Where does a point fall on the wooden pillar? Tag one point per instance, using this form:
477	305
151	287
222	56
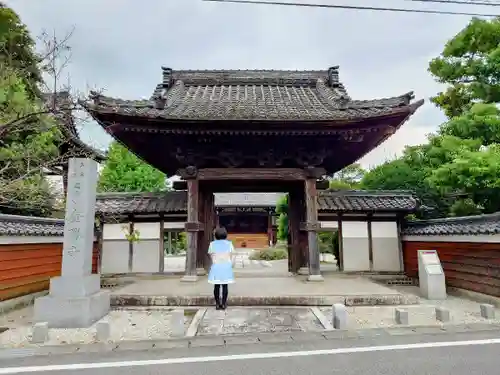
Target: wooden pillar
303	239
161	249
100	241
293	230
312	227
269	228
193	225
65	178
202	244
207	221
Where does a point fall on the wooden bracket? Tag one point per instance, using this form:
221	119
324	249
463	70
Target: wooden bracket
194	226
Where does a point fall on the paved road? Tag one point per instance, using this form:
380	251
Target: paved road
458	354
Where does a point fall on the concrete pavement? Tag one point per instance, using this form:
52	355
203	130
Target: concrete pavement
457	354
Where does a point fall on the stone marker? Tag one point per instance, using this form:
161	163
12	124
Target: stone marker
177	323
339	316
442	314
487	311
103	331
75	298
401	316
430	275
40	333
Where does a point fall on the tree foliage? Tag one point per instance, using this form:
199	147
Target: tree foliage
470	66
125	172
17	50
24	150
454	173
30	128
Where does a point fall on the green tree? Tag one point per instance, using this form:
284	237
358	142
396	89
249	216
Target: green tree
282	211
17	50
475	174
25	151
125	172
347	178
470	65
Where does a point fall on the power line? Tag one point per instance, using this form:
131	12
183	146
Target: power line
488	3
352	7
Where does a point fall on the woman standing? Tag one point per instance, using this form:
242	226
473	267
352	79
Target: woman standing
221	271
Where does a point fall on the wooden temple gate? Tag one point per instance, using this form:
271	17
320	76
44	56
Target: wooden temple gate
251	131
202	184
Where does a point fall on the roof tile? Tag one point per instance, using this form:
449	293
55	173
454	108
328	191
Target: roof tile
359	200
176	201
465	225
14	225
252	95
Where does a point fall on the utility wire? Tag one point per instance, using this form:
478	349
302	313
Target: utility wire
487	3
352	7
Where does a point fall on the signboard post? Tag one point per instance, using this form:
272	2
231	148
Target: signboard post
430	275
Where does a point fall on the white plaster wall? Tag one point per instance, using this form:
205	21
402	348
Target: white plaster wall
174	225
329	225
355	248
148	231
494	238
115	231
385	246
114	256
146	256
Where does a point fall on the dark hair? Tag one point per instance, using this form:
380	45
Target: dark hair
220	233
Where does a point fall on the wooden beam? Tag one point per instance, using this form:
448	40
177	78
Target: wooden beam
182	185
251	174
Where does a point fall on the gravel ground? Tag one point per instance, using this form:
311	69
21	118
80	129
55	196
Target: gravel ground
462	311
124	325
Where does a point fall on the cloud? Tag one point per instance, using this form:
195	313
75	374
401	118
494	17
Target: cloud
119	45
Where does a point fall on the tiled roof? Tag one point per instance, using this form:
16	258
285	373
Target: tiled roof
141	203
176	201
365	200
465	225
61	100
14	225
263	95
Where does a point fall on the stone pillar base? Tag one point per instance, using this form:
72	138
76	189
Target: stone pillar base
201	271
189	278
315	278
303	271
72	312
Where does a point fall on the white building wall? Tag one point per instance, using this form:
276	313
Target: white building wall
385	246
355	248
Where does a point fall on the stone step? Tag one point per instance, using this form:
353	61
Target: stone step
205	300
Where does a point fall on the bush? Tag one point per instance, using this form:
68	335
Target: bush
270	254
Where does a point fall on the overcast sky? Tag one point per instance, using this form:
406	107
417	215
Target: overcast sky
120	45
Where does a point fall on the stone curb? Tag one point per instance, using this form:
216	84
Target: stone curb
229	340
358	300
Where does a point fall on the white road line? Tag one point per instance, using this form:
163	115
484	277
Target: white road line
236	357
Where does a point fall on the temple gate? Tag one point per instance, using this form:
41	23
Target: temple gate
251	131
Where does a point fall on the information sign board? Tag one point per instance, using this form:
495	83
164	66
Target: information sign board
430	275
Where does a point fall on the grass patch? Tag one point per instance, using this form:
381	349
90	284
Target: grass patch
277	253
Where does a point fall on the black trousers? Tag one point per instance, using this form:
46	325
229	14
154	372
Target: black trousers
217	295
